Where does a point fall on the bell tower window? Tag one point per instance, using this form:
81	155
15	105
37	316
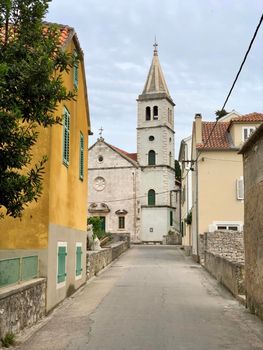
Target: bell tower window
151	157
155	112
151	197
148	113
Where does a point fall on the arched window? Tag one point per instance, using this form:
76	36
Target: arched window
148	113
151	158
155	112
170	159
151	197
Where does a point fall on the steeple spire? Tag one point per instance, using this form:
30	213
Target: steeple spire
155	82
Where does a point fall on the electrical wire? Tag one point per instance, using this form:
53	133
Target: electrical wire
230	92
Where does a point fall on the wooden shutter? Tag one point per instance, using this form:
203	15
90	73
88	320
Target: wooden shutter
66	136
81	157
62	253
240	188
78	260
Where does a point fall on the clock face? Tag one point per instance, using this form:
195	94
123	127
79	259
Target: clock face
99	183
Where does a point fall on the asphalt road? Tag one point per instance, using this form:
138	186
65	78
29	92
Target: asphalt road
151	298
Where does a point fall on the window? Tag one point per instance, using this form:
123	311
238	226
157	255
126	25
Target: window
247	131
78	260
61	263
227	227
151	197
81	157
100	159
148	113
171	218
151	138
66	132
121	222
151	158
240	188
170	159
76	71
155	112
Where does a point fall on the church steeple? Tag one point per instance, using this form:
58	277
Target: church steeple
155	82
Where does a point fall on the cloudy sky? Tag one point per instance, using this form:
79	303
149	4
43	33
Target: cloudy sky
201	46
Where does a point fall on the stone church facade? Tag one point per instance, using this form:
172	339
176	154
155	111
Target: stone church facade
135	192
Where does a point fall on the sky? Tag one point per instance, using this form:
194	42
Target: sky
201	46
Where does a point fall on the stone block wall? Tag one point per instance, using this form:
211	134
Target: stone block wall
224	258
98	260
228	244
22	305
174	239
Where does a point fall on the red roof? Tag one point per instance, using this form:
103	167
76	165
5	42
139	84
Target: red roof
218	139
132	156
247	118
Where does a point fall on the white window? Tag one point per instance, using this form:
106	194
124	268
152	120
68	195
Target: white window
240	188
247	131
227	227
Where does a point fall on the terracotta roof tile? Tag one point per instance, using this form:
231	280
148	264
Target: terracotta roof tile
219	138
247	118
132	156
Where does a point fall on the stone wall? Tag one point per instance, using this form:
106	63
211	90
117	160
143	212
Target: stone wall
98	260
228	244
22	305
230	274
253	228
173	239
224	259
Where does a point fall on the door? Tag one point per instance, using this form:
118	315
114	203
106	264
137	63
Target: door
103	223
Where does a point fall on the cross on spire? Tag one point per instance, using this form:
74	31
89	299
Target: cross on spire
100	133
155	45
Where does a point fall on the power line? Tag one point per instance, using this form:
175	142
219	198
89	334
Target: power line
230	91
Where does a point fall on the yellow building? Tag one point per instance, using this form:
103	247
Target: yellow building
217	176
54	227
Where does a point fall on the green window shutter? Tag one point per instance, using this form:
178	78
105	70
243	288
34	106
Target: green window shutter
151	157
81	157
76	71
78	260
171	218
62	253
66	134
151	197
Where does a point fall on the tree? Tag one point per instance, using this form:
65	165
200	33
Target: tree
177	170
221	113
32	62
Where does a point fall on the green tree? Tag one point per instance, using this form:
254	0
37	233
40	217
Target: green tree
32	62
221	113
96	223
177	170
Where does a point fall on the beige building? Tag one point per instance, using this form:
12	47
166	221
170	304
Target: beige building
253	230
217	176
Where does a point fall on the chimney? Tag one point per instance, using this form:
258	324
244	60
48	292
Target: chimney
198	128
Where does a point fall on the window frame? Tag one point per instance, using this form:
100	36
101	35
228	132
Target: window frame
155	112
121	222
152	157
148	113
250	129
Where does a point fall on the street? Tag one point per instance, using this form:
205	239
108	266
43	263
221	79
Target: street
151	298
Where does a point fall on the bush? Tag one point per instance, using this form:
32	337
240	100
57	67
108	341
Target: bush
8	339
96	223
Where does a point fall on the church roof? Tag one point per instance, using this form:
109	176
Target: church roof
132	156
155	82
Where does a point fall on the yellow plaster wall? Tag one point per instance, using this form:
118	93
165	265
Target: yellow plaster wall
217	174
31	231
68	194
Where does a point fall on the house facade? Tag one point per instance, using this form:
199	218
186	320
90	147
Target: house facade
54	228
147	190
186	191
217	176
252	152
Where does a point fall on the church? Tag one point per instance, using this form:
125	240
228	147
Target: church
136	192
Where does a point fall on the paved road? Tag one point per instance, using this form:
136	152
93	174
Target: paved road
152	298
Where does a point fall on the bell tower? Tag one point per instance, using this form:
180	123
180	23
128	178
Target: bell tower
155	154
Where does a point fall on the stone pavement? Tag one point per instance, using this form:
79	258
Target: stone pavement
151	298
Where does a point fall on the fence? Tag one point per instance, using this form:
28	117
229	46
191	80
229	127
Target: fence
17	270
